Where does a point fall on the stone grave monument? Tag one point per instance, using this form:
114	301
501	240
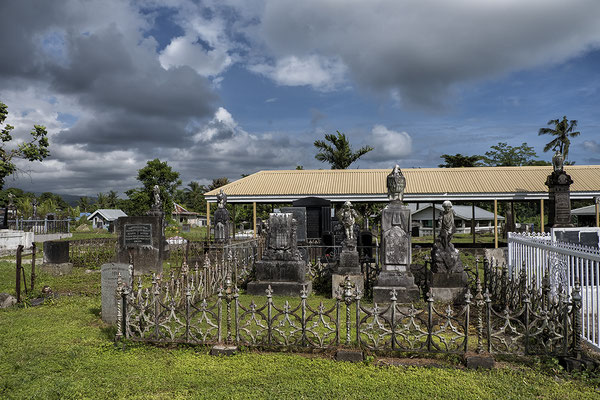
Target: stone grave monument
348	267
56	258
141	239
447	278
109	275
559	194
396	252
300	217
221	219
281	266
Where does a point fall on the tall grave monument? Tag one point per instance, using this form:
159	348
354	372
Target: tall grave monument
395	253
221	219
141	239
281	266
559	193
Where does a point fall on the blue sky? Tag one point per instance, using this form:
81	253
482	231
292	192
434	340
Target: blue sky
230	87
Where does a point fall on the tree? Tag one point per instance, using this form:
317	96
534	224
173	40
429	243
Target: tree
217	183
339	153
503	155
194	195
84	204
562	130
159	173
459	161
35	150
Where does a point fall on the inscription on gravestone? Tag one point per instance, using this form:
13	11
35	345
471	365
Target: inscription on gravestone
137	235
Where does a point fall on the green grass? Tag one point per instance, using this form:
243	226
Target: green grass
63	350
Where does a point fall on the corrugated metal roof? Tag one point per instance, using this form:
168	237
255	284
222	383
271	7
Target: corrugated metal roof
462	212
587	210
419	181
108	214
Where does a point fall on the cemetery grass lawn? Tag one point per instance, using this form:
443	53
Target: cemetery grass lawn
63	350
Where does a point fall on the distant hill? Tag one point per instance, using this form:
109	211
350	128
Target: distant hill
71	199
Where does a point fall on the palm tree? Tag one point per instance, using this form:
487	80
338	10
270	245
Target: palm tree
194	195
340	155
562	130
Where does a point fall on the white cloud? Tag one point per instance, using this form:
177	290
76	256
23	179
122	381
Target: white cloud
321	73
591	145
184	51
388	145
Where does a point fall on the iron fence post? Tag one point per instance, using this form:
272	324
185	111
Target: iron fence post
468	297
429	319
269	314
303	295
394	299
479	303
576	309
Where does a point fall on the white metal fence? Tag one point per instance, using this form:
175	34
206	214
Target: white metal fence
566	265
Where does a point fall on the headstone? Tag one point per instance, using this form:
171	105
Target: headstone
141	238
109	274
318	216
186	228
56	258
559	194
221	219
281	267
585	236
300	217
448	279
395	253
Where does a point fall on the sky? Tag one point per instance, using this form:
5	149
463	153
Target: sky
229	87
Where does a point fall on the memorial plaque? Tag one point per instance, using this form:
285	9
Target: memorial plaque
137	235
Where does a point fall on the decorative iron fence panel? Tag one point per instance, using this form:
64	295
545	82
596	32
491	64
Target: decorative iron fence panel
92	253
565	266
41	226
177	309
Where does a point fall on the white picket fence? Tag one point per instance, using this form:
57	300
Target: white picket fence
566	265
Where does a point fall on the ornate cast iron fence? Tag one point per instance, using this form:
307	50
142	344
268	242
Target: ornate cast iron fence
540	261
178	310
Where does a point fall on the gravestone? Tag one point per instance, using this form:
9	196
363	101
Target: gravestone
395	253
585	236
109	274
559	194
281	266
300	217
141	238
318	216
186	228
56	258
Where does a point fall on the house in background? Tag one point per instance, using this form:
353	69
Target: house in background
422	219
586	216
105	218
183	216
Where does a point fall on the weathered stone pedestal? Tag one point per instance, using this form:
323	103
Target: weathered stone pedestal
281	267
559	195
349	266
402	281
448	287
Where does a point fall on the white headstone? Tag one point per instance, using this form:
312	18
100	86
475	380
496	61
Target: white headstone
109	276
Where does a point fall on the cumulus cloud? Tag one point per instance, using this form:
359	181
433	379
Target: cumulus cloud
591	146
321	73
388	145
422	49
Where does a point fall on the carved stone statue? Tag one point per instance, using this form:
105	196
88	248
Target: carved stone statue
34	204
221	199
396	182
558	161
348	218
446	222
444	256
10	200
156	191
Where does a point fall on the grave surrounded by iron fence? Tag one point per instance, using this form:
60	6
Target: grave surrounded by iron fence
500	316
